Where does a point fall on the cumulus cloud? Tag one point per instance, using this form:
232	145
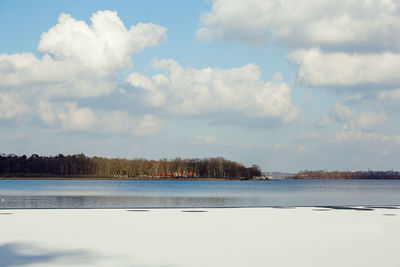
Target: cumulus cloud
114	122
368	121
192	91
343	24
77	118
11	106
358	128
344	45
46	112
343	70
70	117
79	60
147	125
117	122
105	45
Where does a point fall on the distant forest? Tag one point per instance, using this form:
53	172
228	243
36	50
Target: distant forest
381	175
81	165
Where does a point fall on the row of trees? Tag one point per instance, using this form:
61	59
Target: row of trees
81	165
382	175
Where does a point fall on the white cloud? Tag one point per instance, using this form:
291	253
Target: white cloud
362	132
351	135
342	24
343	113
114	122
105	45
189	91
69	117
54	78
79	60
11	106
342	70
148	125
75	118
120	122
367	121
363	126
46	112
6	66
27	70
344	44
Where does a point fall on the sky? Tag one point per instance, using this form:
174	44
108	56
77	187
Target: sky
287	85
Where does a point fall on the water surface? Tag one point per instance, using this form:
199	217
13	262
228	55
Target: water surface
169	194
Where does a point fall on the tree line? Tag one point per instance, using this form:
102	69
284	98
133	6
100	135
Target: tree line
81	165
380	175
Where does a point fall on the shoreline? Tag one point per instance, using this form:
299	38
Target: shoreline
116	178
77	178
119	178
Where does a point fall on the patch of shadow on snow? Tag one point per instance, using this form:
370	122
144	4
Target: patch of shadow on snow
16	254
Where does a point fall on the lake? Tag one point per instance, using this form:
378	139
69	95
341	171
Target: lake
179	194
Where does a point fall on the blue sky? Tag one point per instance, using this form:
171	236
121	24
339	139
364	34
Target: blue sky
301	85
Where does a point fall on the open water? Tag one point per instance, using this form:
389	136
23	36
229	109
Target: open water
206	194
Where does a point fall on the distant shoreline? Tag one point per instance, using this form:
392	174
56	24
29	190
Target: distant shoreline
82	178
115	178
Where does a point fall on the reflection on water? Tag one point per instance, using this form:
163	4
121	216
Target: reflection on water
168	194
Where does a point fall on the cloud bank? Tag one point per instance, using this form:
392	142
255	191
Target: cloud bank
71	117
340	25
189	91
344	44
343	70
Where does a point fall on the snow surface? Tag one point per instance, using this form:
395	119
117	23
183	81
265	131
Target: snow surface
216	237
